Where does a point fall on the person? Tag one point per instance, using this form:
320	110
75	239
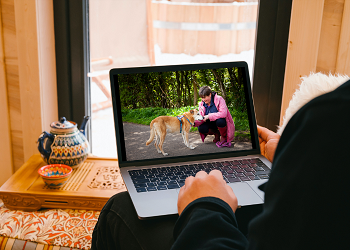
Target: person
306	198
217	118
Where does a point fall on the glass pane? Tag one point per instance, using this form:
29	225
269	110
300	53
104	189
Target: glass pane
145	32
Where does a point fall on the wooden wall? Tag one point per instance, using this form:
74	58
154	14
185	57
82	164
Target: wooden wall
319	41
27	79
6	139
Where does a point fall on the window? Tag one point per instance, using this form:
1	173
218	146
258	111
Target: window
122	34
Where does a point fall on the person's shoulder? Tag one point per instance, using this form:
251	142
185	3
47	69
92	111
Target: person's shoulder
322	112
218	98
339	96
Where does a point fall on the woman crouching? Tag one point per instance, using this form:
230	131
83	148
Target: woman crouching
217	118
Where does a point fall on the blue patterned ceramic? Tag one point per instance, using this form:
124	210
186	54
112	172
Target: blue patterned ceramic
65	144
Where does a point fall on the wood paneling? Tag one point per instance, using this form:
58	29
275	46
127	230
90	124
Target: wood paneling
343	57
329	38
5	134
9	29
29	78
28	69
12	82
319	41
304	36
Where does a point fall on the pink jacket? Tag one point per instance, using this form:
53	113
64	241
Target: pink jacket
223	112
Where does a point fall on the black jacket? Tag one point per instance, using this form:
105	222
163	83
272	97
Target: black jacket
307	198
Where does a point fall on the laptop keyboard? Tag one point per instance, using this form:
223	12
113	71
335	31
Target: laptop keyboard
163	178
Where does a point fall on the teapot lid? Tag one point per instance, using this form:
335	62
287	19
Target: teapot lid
63	124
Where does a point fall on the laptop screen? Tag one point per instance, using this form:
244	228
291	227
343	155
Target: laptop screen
163	94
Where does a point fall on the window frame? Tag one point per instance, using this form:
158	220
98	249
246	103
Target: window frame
72	59
271	45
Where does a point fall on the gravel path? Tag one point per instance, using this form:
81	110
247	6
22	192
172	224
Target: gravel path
136	136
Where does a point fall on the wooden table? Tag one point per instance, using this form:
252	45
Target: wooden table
89	186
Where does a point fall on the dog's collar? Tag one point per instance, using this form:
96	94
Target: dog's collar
180	117
189	121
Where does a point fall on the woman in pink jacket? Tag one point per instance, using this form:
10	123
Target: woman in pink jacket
217	118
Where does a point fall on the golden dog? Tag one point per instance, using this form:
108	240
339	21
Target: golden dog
163	124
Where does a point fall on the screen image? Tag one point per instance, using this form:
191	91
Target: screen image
164	97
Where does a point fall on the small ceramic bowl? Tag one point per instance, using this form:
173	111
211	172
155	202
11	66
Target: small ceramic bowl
55	175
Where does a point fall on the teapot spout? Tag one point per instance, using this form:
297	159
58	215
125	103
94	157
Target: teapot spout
83	124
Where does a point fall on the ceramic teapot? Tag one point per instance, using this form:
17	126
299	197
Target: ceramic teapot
65	144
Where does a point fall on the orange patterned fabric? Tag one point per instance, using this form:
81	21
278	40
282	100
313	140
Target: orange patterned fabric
59	227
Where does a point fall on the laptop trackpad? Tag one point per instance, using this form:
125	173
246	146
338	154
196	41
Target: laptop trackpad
245	194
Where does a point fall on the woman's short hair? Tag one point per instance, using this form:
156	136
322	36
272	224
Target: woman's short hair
204	91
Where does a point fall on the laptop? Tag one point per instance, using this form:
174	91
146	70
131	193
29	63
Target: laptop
154	180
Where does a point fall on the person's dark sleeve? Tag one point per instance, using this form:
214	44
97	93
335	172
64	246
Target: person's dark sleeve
208	223
307	196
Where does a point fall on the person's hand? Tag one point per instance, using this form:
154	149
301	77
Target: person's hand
206	185
206	117
268	142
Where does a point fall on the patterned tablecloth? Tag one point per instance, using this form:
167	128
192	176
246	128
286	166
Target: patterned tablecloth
46	229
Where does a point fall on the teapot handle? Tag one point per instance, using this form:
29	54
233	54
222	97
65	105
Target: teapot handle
45	150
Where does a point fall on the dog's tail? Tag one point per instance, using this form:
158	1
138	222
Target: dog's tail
152	134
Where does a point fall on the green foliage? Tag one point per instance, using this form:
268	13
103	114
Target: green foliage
240	119
171	90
